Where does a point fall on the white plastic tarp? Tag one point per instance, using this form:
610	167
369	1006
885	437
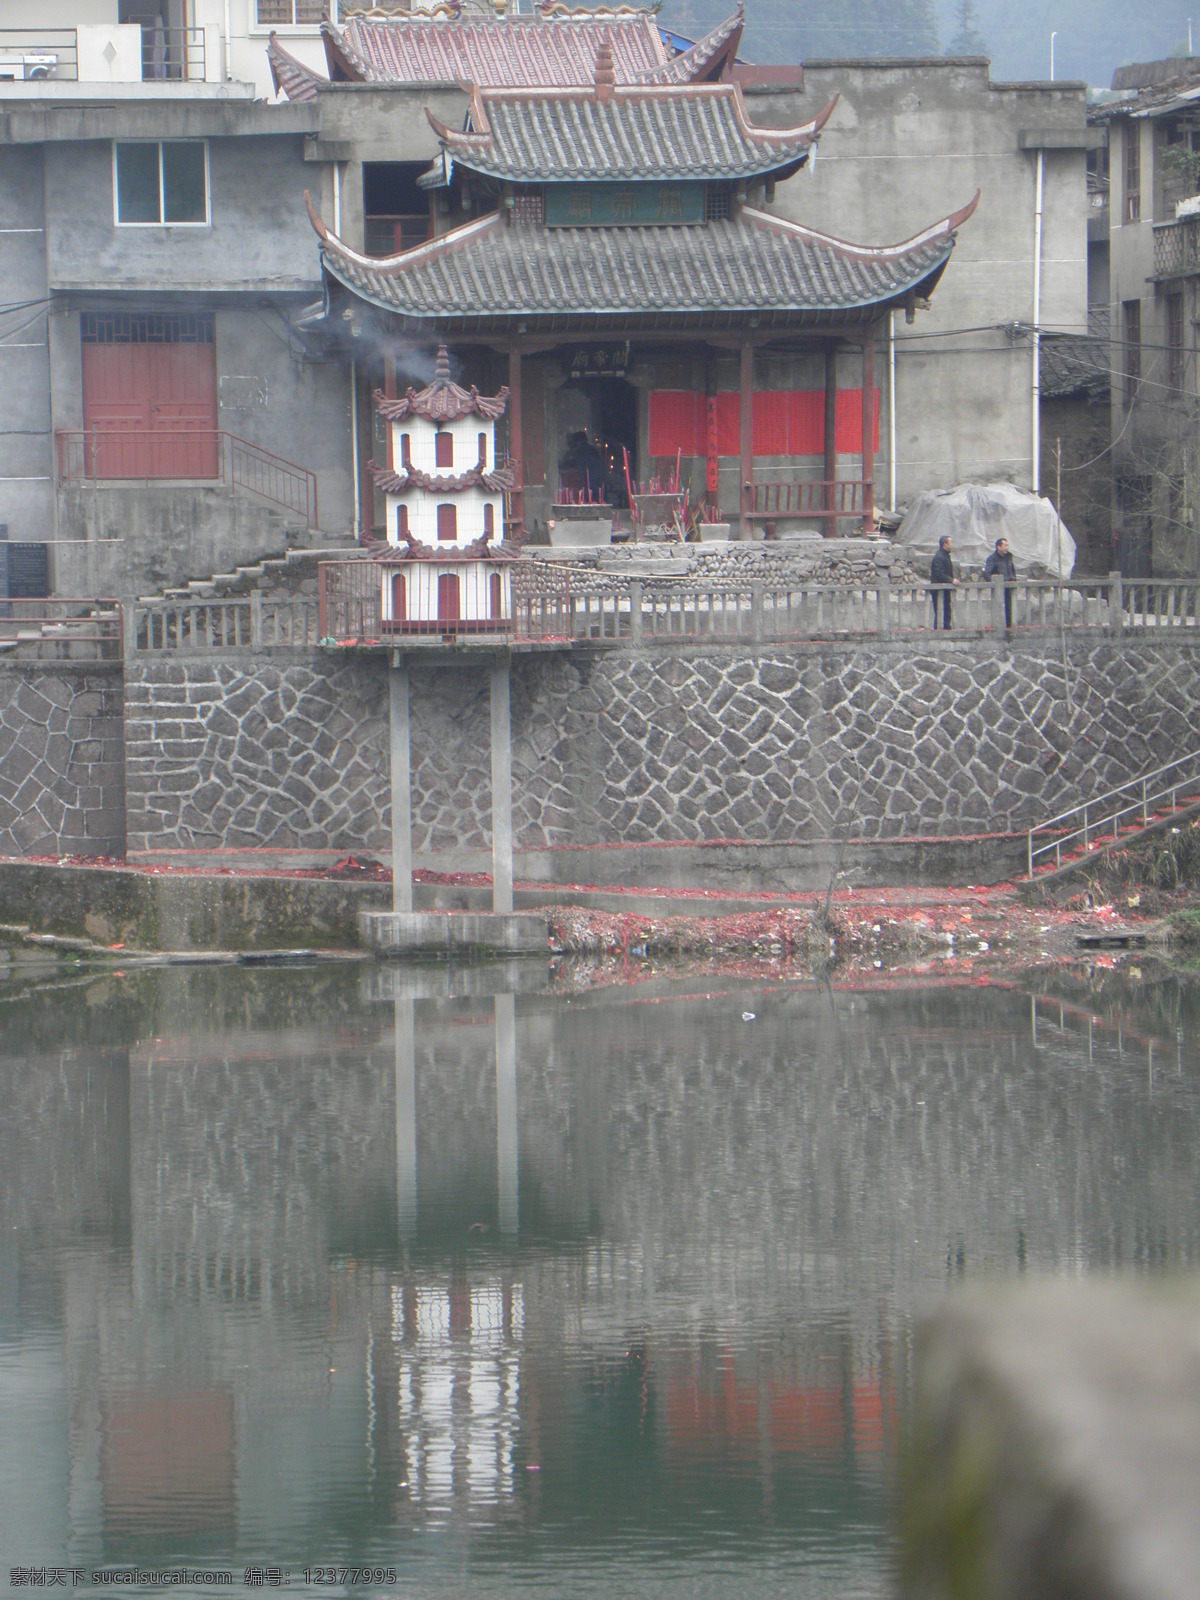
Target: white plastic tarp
975	515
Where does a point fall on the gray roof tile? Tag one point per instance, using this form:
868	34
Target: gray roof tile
695	132
496	270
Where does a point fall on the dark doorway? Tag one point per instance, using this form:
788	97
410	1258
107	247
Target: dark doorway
598	449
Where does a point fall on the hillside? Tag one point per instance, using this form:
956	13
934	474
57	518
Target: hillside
1094	36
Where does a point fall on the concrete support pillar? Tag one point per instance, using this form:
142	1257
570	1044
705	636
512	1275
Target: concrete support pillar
506	1113
829	467
746	419
868	434
406	1121
402	896
502	837
516	438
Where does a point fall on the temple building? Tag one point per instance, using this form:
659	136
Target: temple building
620	263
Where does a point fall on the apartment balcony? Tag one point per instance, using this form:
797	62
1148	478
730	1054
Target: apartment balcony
105	53
1176	249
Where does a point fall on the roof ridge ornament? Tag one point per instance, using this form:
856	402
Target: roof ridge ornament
606	77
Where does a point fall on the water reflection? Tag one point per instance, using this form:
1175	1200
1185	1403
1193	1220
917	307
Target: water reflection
605	1292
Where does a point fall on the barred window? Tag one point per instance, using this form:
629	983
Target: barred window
1132	310
716	202
1175	342
1133	172
146	327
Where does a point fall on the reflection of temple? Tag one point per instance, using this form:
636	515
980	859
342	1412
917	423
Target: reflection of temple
387	1256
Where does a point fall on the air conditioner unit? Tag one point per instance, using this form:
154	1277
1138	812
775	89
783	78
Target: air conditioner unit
40	66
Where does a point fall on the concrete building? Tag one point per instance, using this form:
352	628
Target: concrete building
162	413
1146	257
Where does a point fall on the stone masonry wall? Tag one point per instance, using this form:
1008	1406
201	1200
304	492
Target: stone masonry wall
62	776
696	744
248	752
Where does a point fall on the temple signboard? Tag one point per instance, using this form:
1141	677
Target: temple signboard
615	205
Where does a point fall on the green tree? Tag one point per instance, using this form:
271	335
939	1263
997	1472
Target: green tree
967	39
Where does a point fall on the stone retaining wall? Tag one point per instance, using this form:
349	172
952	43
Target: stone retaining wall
62	775
879	740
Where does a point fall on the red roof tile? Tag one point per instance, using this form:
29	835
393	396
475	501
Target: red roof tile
516	51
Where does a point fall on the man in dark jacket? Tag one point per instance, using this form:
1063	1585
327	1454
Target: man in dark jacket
1000	564
941	575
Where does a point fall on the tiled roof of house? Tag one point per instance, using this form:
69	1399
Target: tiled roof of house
522	51
443	400
1075	365
291	77
707	59
497	270
696	131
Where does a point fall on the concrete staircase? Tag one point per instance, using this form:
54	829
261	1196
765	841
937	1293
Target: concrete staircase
293	568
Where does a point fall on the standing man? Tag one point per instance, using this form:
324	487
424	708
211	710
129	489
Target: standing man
1000	564
941	576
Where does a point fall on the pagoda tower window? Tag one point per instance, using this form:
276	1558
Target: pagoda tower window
483	449
495	595
444	448
406	449
489	520
399	597
402	522
447	522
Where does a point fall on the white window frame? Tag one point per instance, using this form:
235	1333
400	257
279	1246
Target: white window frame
117	222
310	30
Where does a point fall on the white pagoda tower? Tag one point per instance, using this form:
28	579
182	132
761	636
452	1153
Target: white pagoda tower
445	509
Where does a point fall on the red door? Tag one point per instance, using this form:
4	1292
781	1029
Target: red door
151	410
449	608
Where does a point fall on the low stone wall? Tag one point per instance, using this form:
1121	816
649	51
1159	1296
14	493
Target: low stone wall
62	774
682	744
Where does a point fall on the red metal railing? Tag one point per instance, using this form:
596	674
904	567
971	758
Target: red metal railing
155	454
386	602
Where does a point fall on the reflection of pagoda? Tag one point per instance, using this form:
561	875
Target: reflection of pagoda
445	508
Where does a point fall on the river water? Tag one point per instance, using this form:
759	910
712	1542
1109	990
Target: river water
362	1280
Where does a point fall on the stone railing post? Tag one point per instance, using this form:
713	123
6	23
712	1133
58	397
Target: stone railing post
635	609
756	611
256	621
129	627
997	602
1116	603
883	599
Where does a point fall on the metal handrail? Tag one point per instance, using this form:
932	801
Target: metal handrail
129	455
1098	821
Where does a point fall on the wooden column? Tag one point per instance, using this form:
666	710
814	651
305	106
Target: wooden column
829	470
516	438
868	434
746	421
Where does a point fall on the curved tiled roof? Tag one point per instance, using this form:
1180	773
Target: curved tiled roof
523	51
707	59
498	270
397	481
291	77
443	400
694	132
